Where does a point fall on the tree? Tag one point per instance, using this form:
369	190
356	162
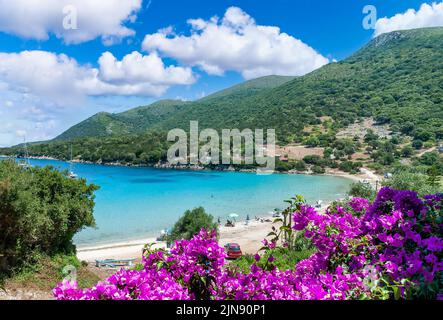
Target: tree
312	141
433	178
191	223
300	166
349	166
407	180
417	144
362	190
328	153
429	158
313	159
407	151
41	209
318	170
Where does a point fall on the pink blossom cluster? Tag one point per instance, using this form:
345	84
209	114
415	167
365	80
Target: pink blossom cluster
389	249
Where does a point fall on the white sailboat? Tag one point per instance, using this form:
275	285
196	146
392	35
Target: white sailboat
72	174
25	162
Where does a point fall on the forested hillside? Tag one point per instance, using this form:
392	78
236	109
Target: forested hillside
396	79
140	119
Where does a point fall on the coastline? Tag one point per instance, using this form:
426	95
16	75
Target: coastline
248	236
365	173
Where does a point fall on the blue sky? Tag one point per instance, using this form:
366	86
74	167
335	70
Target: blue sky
116	59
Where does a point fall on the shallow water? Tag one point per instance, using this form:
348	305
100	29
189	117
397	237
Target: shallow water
135	203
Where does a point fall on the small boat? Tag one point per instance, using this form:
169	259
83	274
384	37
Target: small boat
163	236
114	263
72	174
25	164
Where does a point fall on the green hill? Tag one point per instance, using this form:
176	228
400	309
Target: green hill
248	88
140	119
136	120
396	79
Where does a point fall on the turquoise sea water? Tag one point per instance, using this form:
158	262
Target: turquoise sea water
135	203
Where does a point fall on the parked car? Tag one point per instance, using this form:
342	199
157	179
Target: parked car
233	251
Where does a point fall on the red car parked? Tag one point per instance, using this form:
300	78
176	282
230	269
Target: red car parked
233	251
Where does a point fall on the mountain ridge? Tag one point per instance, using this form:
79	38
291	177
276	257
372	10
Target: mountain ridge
139	119
396	79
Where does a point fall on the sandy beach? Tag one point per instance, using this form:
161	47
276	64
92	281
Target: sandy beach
248	236
364	175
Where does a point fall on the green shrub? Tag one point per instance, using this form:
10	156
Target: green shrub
191	223
47	272
300	166
362	190
407	151
407	180
281	166
417	144
285	259
41	210
430	158
318	170
314	160
351	167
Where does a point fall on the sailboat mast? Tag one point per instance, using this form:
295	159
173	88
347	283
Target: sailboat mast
26	151
72	175
70	162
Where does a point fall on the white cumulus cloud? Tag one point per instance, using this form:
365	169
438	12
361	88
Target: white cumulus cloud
236	43
38	19
137	68
429	15
64	81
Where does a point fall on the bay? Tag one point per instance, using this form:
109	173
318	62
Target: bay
136	203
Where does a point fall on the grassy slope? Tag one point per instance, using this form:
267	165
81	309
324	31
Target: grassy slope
47	273
140	119
248	88
136	120
397	77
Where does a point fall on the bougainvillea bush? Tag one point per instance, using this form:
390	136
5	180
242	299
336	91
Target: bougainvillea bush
390	249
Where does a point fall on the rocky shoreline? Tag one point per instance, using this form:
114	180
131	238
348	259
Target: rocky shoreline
365	173
160	165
